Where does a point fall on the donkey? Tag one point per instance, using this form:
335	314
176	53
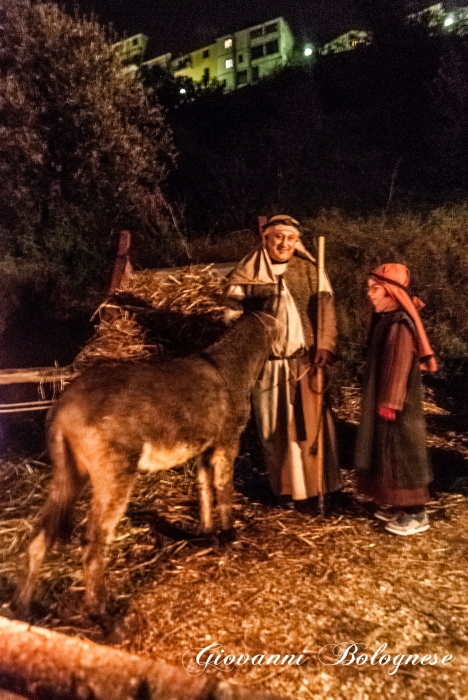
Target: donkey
117	418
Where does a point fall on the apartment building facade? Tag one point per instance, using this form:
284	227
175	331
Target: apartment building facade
200	65
131	51
436	17
243	57
236	59
253	53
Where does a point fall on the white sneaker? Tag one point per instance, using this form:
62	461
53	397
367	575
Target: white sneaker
408	524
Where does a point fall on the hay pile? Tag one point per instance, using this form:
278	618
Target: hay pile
192	290
155	314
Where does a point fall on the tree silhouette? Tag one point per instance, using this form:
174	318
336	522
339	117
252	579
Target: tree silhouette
80	141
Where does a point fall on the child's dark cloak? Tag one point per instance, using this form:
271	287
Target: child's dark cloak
391	456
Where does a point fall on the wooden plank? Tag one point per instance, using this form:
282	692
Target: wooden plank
36	375
6	695
39	663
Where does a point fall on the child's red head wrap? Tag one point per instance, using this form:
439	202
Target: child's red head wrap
394	277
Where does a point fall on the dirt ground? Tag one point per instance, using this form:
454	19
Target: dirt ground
290	583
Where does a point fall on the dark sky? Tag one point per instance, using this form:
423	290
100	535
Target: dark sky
182	25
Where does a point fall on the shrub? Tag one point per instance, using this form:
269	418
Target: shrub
433	245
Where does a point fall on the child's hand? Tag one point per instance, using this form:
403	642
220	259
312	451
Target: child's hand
386	413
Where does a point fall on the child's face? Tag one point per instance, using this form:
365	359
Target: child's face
377	294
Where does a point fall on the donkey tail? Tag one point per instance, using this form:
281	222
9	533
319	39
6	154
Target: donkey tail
56	517
67	482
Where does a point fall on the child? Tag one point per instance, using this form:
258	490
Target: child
391	456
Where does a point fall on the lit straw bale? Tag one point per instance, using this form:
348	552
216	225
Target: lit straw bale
155	314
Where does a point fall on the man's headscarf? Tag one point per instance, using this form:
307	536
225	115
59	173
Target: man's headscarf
256	267
286	222
394	277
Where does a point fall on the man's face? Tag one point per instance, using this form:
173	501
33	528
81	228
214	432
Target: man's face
280	242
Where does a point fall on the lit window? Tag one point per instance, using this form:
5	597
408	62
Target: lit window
227	43
229	63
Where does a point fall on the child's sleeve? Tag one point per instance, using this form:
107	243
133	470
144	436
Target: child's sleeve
396	364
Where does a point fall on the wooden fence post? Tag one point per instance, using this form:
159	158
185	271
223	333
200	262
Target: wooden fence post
122	265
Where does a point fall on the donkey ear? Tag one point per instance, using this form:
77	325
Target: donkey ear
234	309
258	302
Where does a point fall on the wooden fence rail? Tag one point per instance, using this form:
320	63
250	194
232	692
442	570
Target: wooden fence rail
37	375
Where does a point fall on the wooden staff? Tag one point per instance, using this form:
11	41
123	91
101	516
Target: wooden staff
320	374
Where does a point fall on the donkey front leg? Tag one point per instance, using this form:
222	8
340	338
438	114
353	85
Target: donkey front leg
206	495
108	505
223	464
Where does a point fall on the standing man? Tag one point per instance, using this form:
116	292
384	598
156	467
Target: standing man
284	402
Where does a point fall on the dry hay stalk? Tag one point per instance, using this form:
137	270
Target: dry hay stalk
191	290
187	294
121	338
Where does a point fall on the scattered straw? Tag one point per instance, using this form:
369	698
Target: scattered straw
289	581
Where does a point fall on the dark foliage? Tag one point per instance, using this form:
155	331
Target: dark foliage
82	151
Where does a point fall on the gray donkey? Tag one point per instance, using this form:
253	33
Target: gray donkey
117	418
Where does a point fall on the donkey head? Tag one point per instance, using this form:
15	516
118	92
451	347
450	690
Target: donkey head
264	300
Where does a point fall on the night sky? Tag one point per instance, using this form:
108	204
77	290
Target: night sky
182	25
